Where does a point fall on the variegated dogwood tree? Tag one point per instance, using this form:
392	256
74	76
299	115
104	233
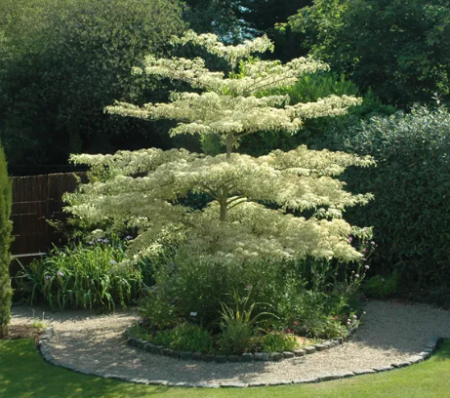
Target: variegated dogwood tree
142	189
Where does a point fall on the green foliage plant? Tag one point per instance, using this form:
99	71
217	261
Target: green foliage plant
185	337
5	241
97	275
293	291
79	53
158	311
382	287
240	325
411	215
202	287
398	48
278	342
318	298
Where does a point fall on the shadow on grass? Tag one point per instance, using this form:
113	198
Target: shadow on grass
24	374
386	326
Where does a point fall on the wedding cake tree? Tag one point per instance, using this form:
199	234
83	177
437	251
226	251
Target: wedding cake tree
142	189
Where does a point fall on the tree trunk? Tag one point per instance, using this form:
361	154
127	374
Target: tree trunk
223	210
229	144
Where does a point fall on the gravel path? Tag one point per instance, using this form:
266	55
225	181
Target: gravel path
391	333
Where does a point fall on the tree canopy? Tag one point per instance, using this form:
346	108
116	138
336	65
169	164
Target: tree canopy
400	49
142	189
62	62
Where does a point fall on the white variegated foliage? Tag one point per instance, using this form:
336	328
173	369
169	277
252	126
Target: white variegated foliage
142	189
228	106
297	180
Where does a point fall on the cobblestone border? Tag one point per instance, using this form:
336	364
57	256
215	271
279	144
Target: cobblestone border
247	357
44	347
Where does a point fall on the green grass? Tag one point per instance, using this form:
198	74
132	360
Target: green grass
23	374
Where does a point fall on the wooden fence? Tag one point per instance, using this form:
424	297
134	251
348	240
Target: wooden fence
37	199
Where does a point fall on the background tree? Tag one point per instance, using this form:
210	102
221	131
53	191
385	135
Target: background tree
5	240
217	16
62	62
236	225
235	20
264	17
400	49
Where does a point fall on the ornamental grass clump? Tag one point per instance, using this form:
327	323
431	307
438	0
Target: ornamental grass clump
96	275
240	324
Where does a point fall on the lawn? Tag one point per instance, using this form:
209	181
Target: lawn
23	373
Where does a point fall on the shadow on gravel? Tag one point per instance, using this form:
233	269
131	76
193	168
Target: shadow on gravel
108	354
24	312
402	327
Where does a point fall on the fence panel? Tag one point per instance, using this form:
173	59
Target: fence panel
35	200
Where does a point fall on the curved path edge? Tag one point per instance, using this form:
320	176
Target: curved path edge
45	350
247	357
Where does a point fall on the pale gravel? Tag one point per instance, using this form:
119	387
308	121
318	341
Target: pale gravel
391	332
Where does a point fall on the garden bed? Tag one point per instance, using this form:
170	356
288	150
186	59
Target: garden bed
300	351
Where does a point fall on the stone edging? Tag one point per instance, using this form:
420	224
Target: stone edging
247	357
49	333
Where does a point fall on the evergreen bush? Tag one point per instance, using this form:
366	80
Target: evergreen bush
5	240
411	213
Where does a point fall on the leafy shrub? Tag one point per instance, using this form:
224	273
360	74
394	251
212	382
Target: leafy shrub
410	215
278	342
306	292
312	298
313	295
239	324
185	337
158	311
237	337
321	326
398	48
381	287
201	286
74	50
79	276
